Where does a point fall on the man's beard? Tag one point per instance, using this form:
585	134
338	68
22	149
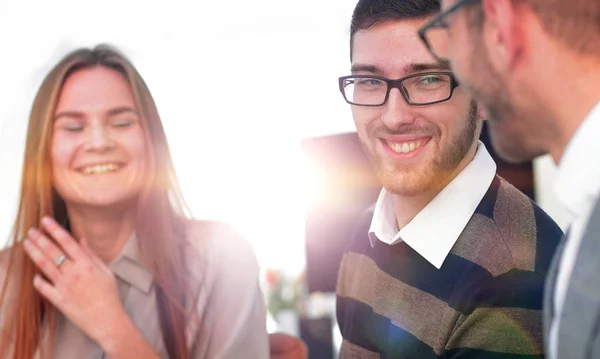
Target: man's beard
509	127
409	180
490	89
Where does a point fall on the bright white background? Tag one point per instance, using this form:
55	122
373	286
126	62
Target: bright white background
238	84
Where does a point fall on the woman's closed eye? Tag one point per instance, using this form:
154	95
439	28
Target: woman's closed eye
123	123
72	127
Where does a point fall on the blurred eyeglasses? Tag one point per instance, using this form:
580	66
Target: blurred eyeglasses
435	32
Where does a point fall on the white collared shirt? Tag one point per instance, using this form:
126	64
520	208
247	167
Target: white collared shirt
450	210
577	189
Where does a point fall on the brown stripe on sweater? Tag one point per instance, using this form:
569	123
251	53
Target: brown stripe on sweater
480	243
407	307
521	331
351	351
514	217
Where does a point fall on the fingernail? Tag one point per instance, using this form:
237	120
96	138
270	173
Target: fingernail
32	232
36	280
27	243
46	220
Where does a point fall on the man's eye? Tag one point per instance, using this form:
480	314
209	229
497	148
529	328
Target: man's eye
430	80
369	82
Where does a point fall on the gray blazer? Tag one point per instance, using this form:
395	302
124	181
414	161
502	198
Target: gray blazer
579	331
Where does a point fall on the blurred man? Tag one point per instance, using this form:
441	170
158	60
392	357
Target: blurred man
535	65
451	260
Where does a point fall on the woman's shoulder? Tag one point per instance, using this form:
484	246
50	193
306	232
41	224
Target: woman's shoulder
229	301
212	233
218	242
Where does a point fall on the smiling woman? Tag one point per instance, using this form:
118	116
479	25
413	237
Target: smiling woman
104	258
98	150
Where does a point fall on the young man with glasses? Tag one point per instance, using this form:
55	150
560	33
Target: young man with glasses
450	262
535	65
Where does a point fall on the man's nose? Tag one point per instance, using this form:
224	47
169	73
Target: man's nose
397	111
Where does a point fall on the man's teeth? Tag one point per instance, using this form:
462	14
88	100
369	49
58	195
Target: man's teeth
104	168
405	147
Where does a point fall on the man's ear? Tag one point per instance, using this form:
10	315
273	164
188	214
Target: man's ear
502	33
482	113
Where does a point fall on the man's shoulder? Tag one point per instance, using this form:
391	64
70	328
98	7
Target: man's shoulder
511	201
502	198
595	212
509	231
522	222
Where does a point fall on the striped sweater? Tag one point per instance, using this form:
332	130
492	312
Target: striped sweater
484	302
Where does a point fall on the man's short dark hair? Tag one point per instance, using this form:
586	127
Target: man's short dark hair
371	12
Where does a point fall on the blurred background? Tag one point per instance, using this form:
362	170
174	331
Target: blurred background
260	136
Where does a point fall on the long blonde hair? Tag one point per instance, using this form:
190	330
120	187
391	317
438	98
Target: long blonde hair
160	218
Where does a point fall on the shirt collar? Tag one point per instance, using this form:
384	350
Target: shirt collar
129	267
578	180
450	210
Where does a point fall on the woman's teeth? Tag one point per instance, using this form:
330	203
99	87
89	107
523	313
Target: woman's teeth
103	168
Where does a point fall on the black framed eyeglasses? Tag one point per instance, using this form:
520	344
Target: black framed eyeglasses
435	32
418	89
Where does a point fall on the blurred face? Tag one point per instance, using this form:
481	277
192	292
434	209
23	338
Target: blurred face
513	128
98	144
413	148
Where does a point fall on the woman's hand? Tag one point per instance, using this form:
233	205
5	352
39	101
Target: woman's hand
81	286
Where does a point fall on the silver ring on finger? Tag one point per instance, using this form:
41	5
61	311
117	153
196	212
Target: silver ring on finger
60	260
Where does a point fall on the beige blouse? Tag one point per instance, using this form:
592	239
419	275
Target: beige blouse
230	307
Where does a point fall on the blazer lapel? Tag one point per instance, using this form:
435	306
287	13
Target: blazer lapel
549	290
582	301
